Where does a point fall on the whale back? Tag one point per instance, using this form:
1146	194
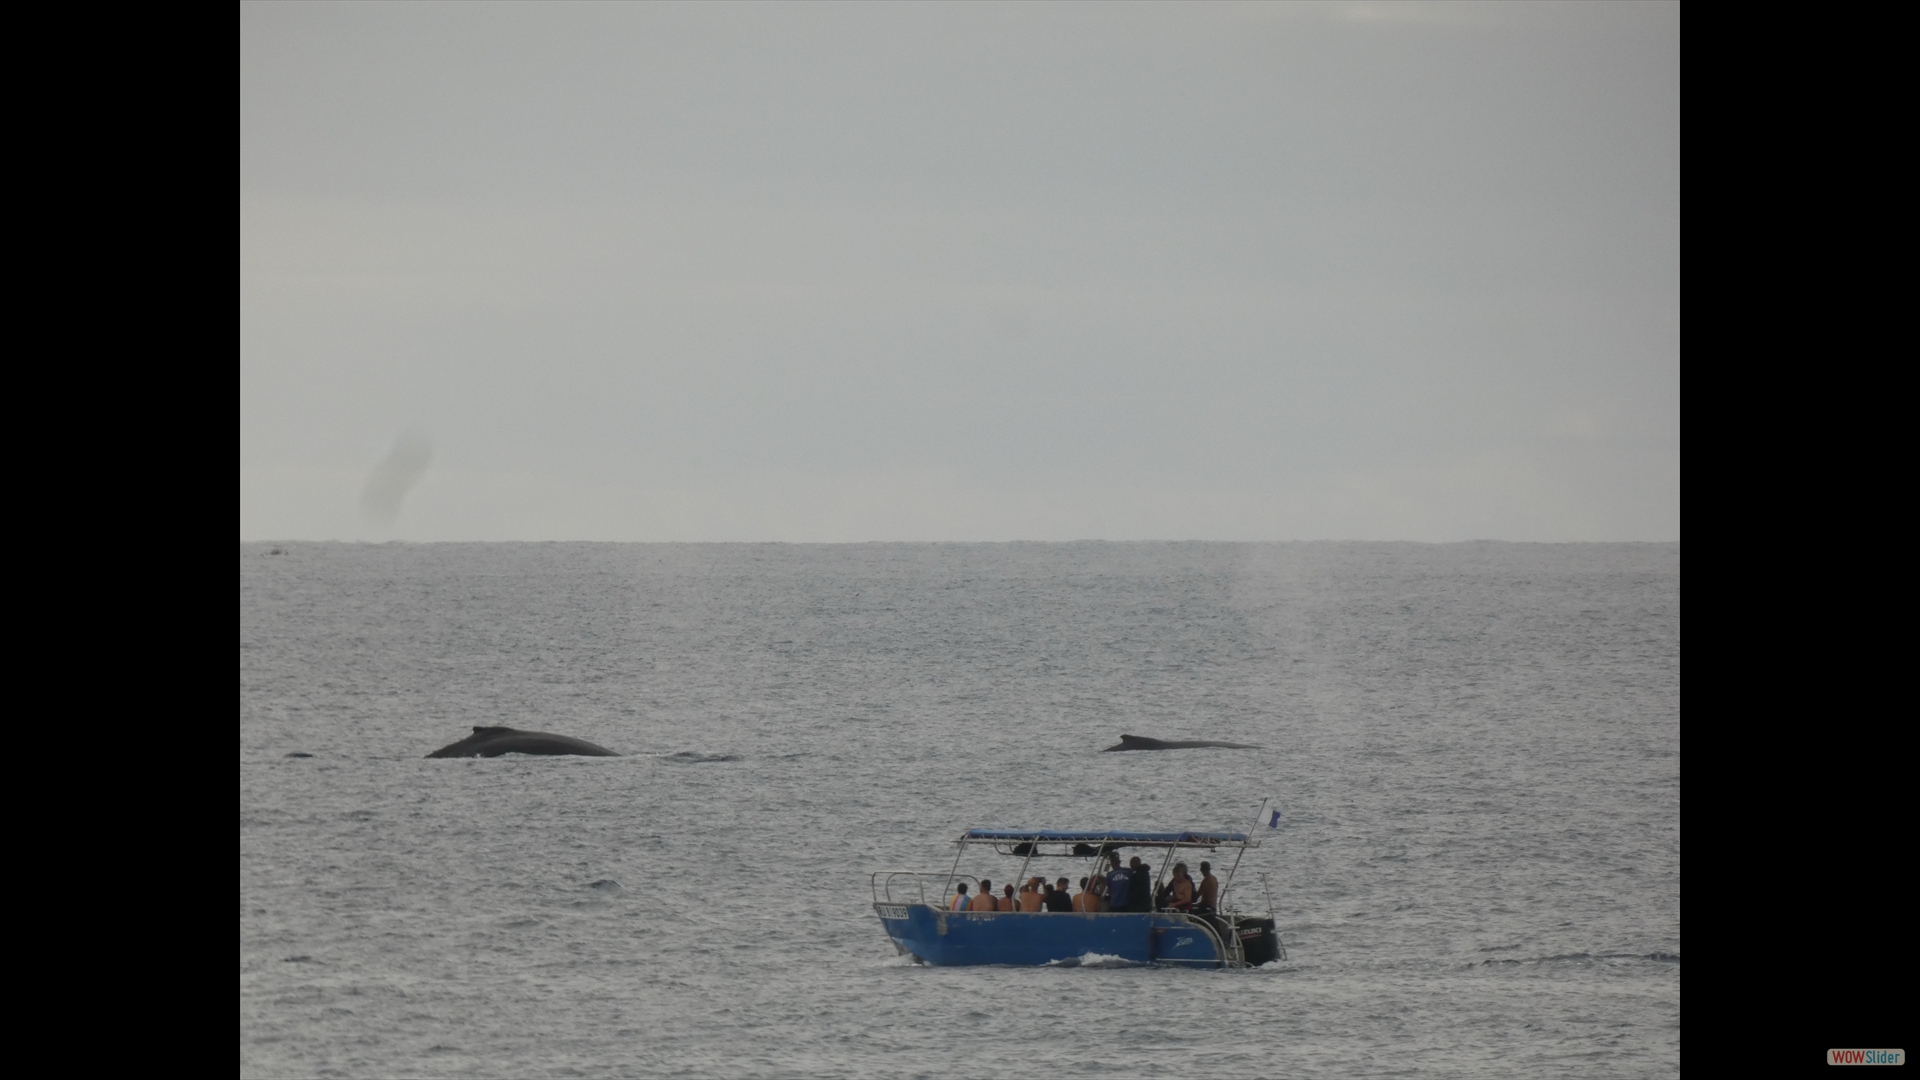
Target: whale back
467	747
494	741
1141	742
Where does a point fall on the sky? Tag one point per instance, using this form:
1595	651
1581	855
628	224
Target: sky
962	272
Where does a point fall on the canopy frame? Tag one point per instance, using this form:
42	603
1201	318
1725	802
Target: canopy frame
1075	843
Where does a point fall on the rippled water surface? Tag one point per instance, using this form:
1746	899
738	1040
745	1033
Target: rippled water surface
1475	748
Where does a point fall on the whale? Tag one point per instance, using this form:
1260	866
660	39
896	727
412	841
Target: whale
494	741
1141	742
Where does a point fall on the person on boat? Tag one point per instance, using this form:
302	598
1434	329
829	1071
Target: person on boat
1009	902
983	900
1181	898
1139	887
1209	890
1098	886
960	897
1057	898
1084	900
1030	896
1119	886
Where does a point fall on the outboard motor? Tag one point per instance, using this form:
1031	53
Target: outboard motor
1259	942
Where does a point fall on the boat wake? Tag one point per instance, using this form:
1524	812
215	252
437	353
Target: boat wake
1093	960
1657	957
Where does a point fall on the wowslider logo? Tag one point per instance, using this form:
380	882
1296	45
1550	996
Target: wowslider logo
1866	1057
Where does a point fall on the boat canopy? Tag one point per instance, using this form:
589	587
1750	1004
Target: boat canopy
1183	838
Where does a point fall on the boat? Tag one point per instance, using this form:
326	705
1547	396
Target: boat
921	923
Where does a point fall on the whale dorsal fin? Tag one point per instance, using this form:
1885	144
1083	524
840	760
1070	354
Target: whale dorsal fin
492	731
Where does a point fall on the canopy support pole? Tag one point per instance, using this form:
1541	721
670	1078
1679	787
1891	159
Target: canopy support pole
959	849
1220	905
1020	883
1154	896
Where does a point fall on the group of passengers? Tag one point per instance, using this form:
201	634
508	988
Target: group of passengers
1121	888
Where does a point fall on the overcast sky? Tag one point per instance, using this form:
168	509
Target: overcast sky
977	271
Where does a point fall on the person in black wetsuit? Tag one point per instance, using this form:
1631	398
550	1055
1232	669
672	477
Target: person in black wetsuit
1140	889
1057	898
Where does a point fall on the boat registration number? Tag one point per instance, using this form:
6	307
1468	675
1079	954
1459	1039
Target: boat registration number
891	911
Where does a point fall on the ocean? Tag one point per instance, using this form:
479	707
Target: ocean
1474	748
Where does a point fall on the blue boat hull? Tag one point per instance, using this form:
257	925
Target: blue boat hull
955	938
